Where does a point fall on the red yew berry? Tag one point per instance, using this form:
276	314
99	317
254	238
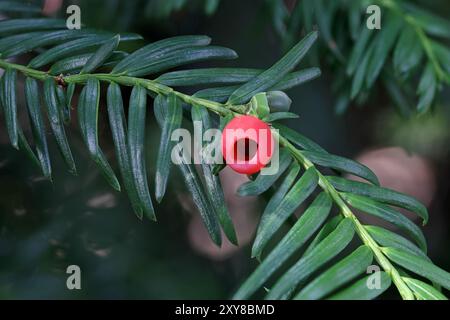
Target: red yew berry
247	144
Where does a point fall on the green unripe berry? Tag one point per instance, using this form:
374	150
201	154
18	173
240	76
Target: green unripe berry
278	101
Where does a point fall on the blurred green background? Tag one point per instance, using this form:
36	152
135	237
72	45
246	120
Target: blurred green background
79	220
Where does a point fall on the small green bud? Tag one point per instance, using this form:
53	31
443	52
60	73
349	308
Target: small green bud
278	101
259	106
